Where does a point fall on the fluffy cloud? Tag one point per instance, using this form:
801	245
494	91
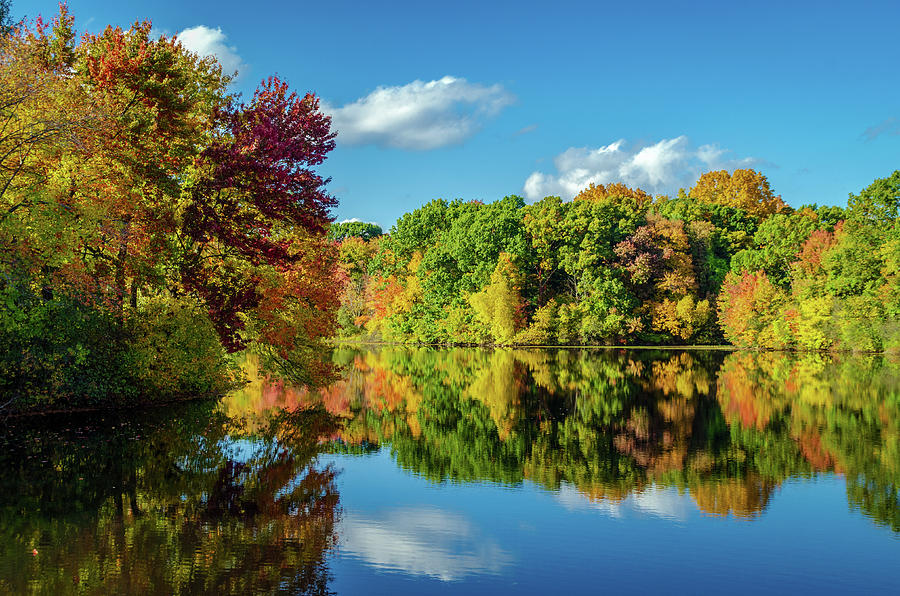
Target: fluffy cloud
211	42
660	168
418	116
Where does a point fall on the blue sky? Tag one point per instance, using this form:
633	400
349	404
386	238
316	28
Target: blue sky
478	100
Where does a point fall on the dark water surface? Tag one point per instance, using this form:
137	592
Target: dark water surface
475	471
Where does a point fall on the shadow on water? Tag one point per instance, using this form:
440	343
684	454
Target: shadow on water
234	498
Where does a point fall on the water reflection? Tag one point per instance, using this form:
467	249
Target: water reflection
180	501
725	428
422	541
236	497
665	503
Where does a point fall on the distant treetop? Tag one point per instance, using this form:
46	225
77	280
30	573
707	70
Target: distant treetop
602	192
358	229
745	189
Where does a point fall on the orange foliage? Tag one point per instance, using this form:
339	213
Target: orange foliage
744	498
747	305
741	397
602	192
745	189
381	295
809	259
293	299
811	447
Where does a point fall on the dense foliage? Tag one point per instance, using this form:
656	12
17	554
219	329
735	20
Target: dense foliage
150	222
354	229
821	280
725	261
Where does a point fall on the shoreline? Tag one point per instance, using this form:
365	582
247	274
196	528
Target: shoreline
111	409
720	348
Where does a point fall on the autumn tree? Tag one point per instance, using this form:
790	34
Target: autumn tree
159	103
500	305
256	223
715	233
354	256
744	188
40	117
750	311
614	190
658	265
136	192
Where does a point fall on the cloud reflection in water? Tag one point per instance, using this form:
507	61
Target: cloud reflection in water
422	541
666	503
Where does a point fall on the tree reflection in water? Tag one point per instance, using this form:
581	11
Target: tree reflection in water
185	500
728	428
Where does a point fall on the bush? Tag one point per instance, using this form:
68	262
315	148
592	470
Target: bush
61	352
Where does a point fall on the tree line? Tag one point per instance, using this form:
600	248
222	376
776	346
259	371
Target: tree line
726	261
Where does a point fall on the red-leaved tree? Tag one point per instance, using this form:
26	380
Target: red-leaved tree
257	219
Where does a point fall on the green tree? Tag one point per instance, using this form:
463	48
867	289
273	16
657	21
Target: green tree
354	229
777	241
6	22
877	203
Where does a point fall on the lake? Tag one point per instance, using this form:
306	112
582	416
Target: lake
475	471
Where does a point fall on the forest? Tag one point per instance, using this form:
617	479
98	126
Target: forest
151	222
724	262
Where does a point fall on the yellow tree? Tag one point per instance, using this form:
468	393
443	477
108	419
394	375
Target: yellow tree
499	305
745	189
600	192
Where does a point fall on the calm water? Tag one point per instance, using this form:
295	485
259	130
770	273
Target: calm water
475	471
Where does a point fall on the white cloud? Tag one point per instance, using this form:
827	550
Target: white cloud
419	115
659	168
211	42
422	541
358	220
